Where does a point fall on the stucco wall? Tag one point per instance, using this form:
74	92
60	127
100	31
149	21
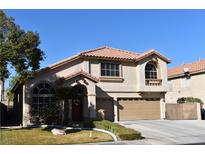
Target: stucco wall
195	87
128	75
162	74
133	75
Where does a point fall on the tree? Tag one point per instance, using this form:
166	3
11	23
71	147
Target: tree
19	49
6	24
13	80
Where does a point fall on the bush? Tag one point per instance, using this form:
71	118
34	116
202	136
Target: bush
47	115
189	100
120	131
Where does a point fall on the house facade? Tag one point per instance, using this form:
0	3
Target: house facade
187	80
125	85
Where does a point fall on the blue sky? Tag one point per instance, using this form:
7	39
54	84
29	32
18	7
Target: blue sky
177	34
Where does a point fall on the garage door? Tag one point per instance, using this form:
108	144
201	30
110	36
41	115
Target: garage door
138	109
107	105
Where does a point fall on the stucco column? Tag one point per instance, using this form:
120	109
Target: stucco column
162	109
26	109
92	105
198	106
115	109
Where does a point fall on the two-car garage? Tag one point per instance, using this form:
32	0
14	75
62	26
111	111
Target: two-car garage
131	109
136	109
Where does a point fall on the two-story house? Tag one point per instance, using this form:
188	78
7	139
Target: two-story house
126	85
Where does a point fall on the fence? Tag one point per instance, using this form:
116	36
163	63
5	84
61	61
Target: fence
187	111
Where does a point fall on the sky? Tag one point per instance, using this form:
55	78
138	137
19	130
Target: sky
177	34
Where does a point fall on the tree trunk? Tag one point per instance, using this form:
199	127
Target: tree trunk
2	89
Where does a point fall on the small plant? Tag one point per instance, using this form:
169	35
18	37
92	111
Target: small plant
189	100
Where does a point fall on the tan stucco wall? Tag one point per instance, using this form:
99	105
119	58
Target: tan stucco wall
133	75
127	71
162	72
196	88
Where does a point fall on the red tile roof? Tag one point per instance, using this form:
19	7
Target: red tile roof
195	67
108	52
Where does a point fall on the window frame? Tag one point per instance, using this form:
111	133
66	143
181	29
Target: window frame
39	105
108	68
152	74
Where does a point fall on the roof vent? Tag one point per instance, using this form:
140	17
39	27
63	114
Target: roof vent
186	70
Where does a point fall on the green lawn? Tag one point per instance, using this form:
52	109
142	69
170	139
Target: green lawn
41	136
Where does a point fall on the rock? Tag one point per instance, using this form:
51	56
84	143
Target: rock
75	125
56	131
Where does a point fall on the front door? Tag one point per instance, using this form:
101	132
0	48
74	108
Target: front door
77	110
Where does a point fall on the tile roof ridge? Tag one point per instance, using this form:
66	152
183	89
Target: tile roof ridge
122	50
91	50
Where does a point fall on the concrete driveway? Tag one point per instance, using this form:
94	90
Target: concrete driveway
168	131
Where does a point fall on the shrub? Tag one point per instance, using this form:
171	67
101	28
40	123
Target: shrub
120	131
47	115
189	100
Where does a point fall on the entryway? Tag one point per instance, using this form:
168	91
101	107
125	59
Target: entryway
77	110
74	108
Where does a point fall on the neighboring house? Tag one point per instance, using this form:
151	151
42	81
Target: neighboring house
187	80
127	85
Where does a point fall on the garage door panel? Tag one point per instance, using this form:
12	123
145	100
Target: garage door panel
138	110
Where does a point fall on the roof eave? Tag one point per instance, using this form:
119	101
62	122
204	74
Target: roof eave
107	58
81	73
152	52
182	74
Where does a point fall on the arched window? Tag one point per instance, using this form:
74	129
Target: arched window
44	96
150	71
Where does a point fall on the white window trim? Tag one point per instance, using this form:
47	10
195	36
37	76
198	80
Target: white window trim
120	70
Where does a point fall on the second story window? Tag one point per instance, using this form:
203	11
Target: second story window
110	69
150	71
